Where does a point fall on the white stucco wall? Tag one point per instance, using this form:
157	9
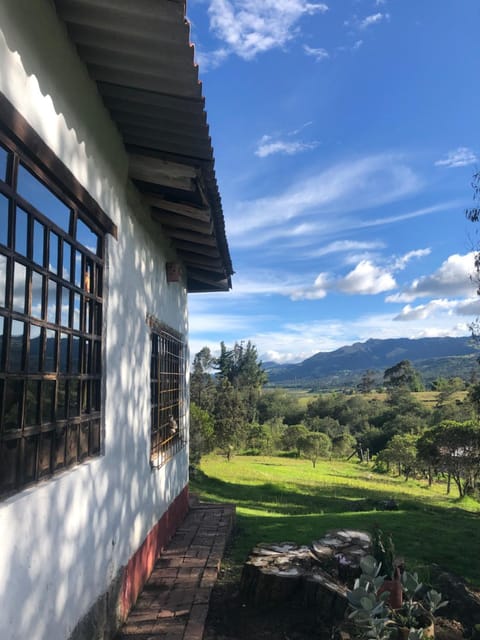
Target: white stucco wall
63	540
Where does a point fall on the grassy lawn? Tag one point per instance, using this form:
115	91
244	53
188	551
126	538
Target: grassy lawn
282	499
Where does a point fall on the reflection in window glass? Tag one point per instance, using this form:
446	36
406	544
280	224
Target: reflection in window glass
67	254
3	279
30	447
35	349
32	404
61	412
45	454
88	277
76	311
38	242
78	269
3	163
52	302
88	304
50	349
63	364
21	232
53	257
3	220
86	364
65	307
19	277
37	291
13	404
48	400
16	345
2	325
76	342
74	399
87	237
43	199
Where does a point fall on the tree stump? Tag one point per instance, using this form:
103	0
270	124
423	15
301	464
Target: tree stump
273	573
316	574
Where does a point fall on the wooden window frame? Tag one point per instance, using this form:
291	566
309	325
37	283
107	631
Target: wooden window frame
167	393
63	381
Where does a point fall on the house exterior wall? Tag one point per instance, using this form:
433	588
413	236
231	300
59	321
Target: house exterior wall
71	543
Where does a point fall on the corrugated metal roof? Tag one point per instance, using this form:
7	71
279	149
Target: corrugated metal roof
140	56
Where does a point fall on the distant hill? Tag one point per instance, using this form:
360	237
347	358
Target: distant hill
432	357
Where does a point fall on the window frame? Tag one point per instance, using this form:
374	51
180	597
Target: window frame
79	433
168	397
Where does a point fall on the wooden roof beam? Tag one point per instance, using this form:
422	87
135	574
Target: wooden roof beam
158	171
200	214
190	236
181	222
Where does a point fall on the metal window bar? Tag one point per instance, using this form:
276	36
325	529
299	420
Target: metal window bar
50	336
167	394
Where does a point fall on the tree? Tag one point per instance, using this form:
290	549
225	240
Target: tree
367	381
343	445
403	374
202	383
454	448
292	436
402	451
201	433
314	446
242	369
229	418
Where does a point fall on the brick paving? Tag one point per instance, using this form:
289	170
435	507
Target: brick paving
174	602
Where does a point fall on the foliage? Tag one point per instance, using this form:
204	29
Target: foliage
314	446
201	433
401	450
367	382
374	615
383	551
229	418
403	374
343	445
292	437
202	384
454	447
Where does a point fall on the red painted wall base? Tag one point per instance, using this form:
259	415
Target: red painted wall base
141	564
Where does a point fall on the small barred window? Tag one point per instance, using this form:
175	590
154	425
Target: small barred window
167	379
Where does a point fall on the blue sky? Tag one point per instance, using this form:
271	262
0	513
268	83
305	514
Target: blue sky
346	134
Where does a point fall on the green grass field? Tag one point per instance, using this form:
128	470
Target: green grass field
281	499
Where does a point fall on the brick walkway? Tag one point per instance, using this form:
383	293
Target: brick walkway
174	602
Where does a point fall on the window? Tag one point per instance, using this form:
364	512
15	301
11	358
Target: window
167	380
51	282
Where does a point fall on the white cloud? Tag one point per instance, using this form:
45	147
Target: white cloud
268	146
423	311
402	262
451	279
348	186
461	157
319	54
207	61
375	18
249	27
346	246
366	279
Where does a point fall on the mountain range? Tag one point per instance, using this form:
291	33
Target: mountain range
344	367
